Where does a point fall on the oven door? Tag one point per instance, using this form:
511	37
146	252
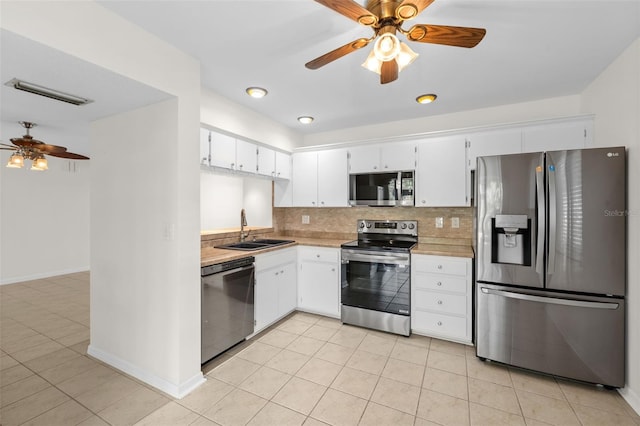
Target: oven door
375	280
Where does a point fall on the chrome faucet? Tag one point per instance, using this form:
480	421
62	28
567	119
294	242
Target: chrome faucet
243	223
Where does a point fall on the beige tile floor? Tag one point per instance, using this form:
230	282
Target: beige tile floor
305	370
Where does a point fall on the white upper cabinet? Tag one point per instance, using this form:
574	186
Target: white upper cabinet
320	179
441	175
333	178
223	150
266	161
283	165
570	134
246	156
382	158
204	147
493	142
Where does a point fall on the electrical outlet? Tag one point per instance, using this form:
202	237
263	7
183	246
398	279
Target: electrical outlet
439	222
455	222
305	219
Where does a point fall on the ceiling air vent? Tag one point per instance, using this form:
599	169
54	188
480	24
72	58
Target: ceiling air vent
46	92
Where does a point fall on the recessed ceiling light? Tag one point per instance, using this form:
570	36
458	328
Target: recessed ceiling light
426	99
256	92
305	119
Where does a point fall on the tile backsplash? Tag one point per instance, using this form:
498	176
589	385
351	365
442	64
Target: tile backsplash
340	222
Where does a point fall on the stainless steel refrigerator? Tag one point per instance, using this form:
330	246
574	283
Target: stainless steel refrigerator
551	262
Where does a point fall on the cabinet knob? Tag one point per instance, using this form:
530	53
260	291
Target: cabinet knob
439	302
439	323
375	167
233	165
277	273
439	283
322	202
240	166
317	255
439	266
424	201
386	167
333	269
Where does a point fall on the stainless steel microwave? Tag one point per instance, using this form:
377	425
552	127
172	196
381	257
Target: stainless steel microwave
382	189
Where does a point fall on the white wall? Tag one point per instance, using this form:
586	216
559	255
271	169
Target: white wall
614	98
234	118
222	196
44	221
162	220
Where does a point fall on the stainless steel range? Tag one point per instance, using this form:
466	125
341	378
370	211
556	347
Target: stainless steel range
376	275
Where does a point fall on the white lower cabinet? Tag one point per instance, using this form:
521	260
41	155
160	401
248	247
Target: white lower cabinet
275	286
319	280
441	297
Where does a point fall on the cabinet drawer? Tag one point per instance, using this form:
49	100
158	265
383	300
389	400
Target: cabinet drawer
440	302
439	282
440	324
440	265
318	254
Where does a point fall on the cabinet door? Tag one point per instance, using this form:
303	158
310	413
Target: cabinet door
287	288
265	298
223	151
266	161
305	179
283	165
333	178
364	159
319	288
204	146
493	142
557	136
246	156
441	177
396	157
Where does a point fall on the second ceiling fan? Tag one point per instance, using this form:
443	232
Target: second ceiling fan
385	17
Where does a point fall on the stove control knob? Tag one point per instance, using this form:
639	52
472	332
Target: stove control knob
403	226
411	226
361	224
368	224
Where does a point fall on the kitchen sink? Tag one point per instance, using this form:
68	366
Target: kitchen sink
254	245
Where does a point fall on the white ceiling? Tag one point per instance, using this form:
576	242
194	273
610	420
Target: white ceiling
532	50
59	123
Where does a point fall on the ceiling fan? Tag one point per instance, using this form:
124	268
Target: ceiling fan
385	17
32	149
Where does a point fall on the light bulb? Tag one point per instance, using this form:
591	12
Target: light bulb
386	47
39	163
405	57
16	161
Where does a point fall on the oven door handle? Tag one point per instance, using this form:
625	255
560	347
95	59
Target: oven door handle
391	259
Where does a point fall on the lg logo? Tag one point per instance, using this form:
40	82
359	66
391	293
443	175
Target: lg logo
612	154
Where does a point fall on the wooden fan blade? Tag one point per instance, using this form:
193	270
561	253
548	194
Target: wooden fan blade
24	141
409	9
48	149
444	34
10	149
389	72
337	53
351	10
69	155
10	146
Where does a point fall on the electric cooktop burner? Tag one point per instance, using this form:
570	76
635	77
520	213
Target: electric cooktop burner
385	235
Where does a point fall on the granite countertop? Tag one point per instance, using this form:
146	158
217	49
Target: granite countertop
210	256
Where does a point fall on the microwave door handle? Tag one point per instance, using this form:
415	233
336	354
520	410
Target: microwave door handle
541	220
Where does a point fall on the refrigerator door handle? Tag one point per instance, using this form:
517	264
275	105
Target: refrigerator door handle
541	220
551	265
550	300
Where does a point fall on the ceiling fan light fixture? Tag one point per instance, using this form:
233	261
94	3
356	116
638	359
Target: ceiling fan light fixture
256	92
39	163
16	161
386	47
406	56
426	98
372	63
36	89
305	119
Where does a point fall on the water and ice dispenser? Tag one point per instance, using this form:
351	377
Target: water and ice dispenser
511	239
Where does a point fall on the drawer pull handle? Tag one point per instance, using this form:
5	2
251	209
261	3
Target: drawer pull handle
439	323
439	302
439	283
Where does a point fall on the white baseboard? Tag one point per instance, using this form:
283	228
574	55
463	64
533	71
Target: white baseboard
41	275
632	398
175	390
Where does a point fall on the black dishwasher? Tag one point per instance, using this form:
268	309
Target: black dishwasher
227	305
